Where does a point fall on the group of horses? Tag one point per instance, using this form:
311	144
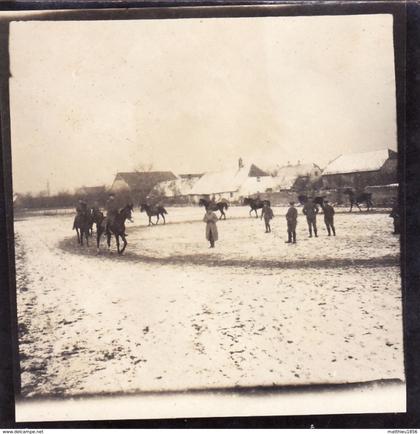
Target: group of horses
84	221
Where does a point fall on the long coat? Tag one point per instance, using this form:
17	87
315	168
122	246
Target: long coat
210	218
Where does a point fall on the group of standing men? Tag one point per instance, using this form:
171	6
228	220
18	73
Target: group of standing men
310	210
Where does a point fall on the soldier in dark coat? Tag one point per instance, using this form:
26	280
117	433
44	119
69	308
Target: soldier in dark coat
81	207
268	214
310	209
291	218
111	210
395	214
329	217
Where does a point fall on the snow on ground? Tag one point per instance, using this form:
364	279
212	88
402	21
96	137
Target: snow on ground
173	315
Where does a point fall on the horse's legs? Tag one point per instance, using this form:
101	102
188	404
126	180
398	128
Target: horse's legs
125	244
163	216
117	239
157	218
98	236
256	213
250	211
358	206
108	240
87	237
78	237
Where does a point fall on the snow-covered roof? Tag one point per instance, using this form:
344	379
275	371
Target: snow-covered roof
254	185
181	186
295	170
358	162
224	181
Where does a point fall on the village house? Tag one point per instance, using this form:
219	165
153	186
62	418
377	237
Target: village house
360	170
296	177
175	191
136	186
228	184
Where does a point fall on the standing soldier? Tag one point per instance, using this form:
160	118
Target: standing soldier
311	210
291	217
268	214
395	214
210	218
329	217
111	210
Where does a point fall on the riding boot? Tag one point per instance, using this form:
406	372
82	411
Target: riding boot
315	231
310	232
294	237
333	230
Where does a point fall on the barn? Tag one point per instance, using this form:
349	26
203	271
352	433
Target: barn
359	170
138	185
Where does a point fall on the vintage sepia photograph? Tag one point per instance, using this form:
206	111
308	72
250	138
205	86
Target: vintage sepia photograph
206	210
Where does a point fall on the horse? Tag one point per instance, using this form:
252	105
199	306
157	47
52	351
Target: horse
99	219
357	198
219	206
318	200
153	211
117	227
82	224
255	204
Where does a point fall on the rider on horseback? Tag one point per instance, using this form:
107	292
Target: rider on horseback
81	207
111	211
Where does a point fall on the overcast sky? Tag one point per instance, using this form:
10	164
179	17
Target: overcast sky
89	99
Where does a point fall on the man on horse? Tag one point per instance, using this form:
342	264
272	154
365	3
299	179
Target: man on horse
81	207
111	210
310	209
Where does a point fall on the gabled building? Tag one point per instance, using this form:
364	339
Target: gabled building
225	184
359	170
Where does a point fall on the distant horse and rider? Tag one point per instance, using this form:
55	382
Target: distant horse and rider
255	204
153	211
358	198
217	206
82	222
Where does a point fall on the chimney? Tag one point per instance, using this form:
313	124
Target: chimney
240	163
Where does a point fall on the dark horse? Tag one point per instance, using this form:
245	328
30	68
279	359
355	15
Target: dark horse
255	204
82	223
99	219
153	211
318	200
219	206
357	198
116	227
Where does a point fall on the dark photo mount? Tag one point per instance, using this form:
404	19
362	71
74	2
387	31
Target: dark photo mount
406	42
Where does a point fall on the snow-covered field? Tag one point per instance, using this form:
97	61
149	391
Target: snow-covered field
170	314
